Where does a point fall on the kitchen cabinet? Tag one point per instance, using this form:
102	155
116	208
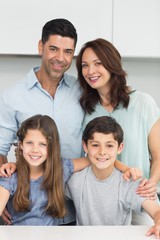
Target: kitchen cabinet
21	22
136	28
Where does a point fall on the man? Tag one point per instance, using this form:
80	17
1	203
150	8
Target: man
47	90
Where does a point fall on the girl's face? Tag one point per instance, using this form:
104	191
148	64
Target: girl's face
34	147
102	151
93	71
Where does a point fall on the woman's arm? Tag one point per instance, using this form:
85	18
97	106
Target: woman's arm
148	188
154	148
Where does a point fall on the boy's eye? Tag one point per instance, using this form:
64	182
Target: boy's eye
94	145
110	146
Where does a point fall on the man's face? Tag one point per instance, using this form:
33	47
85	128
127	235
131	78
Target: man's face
57	54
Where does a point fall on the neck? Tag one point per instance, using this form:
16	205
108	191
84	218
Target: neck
36	172
47	82
102	174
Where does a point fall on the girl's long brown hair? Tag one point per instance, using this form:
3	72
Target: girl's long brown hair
53	172
111	60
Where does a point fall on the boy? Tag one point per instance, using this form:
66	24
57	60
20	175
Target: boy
100	194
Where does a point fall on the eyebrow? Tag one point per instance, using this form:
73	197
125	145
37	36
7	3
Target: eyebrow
93	60
69	49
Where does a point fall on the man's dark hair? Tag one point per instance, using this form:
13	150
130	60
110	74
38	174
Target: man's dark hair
59	26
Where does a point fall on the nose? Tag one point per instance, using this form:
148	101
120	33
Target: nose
91	69
102	150
35	149
60	55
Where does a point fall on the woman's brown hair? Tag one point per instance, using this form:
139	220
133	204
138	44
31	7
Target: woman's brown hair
53	174
111	60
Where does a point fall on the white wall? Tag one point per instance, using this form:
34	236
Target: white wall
143	74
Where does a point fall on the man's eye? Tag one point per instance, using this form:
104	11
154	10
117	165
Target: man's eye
69	52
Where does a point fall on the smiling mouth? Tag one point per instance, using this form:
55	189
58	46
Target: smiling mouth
102	159
93	79
35	157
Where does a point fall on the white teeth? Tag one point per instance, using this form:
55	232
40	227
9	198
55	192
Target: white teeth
35	157
93	78
102	159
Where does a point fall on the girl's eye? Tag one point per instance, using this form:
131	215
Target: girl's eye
43	144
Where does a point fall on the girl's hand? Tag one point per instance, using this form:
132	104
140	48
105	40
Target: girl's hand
147	189
7	169
135	173
6	217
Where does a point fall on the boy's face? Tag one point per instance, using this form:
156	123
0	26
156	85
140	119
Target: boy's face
102	150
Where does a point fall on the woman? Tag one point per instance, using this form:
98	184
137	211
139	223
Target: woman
105	92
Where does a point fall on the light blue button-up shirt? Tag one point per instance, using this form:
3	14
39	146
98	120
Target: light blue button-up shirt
27	98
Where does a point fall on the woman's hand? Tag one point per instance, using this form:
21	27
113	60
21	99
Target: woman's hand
147	189
134	173
7	169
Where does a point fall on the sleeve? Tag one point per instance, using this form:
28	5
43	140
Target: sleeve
68	168
9	183
133	201
8	125
67	191
151	111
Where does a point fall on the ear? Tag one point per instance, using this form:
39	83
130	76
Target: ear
120	148
40	47
84	147
20	145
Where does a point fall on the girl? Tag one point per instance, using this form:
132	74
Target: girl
35	193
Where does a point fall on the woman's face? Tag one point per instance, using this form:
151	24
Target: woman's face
95	74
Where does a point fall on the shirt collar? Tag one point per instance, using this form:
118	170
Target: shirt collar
32	79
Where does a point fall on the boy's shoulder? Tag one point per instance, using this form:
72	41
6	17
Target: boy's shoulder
78	176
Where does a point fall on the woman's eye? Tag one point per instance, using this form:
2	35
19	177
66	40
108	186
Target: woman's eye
84	65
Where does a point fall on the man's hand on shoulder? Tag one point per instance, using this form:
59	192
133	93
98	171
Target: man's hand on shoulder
7	169
3	159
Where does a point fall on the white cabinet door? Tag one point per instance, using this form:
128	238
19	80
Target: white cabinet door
21	22
136	27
